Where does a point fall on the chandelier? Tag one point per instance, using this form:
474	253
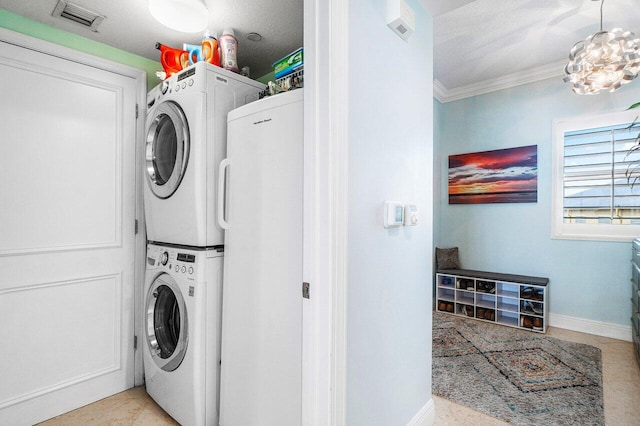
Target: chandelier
603	61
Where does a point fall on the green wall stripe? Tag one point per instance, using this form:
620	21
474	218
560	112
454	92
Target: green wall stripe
26	26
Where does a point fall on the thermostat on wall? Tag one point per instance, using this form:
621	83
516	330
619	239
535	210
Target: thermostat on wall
393	214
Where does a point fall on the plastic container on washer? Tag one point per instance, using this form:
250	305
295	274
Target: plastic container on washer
210	49
229	50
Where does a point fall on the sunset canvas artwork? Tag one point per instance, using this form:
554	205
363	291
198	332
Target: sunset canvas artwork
501	176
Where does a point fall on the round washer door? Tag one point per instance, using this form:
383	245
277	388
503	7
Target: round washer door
166	323
167	149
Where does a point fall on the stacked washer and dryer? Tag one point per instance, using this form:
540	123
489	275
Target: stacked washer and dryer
186	140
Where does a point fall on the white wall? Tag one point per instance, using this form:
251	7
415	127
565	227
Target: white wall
588	279
389	271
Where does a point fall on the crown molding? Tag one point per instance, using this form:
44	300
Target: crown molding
439	91
552	70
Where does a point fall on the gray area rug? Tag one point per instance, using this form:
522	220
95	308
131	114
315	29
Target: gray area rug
514	375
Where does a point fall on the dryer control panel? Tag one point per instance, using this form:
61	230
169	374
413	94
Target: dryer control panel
201	77
190	79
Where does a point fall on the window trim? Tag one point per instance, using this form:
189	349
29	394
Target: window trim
575	231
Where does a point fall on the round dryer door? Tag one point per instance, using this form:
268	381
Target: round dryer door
167	149
166	323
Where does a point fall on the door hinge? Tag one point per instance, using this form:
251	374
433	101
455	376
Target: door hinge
135	342
137	112
305	290
136	227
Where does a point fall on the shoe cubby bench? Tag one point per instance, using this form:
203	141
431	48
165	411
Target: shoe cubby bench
513	300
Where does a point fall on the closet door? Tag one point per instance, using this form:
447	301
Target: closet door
67	243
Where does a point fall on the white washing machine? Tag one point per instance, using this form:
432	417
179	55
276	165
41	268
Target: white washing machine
181	352
186	140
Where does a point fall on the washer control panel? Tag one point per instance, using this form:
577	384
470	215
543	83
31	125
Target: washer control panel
172	259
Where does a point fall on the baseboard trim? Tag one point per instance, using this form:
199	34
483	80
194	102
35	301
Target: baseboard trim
599	328
426	416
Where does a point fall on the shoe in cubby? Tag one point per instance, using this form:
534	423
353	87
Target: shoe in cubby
526	321
538	294
486	287
537	324
529	307
526	292
466	310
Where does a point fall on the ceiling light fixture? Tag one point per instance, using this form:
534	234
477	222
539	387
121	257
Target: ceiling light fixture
188	16
603	61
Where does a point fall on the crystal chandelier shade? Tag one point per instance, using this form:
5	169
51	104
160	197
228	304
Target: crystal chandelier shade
604	61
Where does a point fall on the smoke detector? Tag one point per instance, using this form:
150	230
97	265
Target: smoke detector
401	18
254	37
78	14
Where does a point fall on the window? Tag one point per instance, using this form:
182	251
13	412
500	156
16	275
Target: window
592	197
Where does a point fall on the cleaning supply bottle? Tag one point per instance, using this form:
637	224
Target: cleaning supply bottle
210	49
195	52
229	50
172	60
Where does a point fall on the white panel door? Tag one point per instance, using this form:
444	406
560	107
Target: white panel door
67	185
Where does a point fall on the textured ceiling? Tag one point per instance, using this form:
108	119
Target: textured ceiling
130	27
489	39
475	41
438	7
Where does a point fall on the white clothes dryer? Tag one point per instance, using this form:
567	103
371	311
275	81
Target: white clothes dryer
181	352
186	140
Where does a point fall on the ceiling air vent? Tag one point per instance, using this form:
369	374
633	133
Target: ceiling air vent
78	14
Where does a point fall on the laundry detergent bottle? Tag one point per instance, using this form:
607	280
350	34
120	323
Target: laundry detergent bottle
172	60
210	49
229	50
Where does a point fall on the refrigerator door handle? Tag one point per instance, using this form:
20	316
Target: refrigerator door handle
222	184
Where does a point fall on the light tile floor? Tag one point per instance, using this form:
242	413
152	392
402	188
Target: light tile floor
621	379
132	407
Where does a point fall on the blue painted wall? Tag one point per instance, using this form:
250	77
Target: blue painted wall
389	271
587	279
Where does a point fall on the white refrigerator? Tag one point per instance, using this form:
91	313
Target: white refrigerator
262	182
